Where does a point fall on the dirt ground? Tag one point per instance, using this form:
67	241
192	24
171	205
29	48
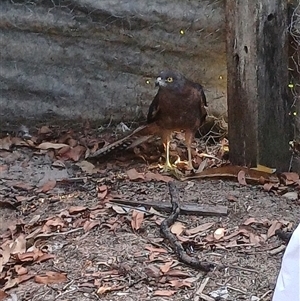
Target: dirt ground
100	256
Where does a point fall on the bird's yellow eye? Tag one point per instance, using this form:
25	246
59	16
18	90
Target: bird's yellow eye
169	79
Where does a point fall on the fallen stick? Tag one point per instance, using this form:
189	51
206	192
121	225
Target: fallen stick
231	172
188	209
174	242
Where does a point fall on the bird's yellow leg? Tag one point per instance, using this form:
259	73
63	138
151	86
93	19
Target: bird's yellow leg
188	140
166	137
190	165
168	166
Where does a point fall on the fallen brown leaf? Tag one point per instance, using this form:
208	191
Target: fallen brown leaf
268	186
231	198
3	295
3	168
44	130
24	278
5	143
164	293
166	267
55	222
20	270
250	220
177	228
88	225
202	164
200	228
73	153
177	273
79	222
87	284
242	177
87	167
5	252
134	175
72	142
274	226
178	283
233	234
137	219
21	198
45	257
232	244
49	145
29	256
102	192
59	164
23	186
50	277
19	245
209	238
34	233
157	177
18	141
76	209
11	282
47	186
255	239
119	209
152	271
103	290
290	177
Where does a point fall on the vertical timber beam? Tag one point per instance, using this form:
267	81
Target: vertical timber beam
294	64
257	66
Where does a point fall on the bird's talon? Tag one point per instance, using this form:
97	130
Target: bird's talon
171	169
167	167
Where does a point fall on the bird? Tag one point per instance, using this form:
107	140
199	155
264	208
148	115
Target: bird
179	105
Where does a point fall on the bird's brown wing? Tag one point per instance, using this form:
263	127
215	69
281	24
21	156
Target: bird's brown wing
153	111
202	102
202	95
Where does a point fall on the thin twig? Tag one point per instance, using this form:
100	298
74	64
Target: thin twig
199	291
238	268
236	289
266	294
64	293
277	250
68	284
57	233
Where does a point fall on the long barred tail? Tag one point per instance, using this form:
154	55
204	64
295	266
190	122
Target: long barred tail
137	137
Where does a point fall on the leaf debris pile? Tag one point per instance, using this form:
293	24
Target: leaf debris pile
61	231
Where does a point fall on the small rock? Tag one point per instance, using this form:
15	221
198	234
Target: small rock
293	196
221	293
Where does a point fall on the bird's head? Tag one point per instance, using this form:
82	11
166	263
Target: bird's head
170	80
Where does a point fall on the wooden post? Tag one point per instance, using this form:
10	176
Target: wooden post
294	64
257	64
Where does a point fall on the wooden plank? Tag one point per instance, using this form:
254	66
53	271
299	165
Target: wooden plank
257	60
188	209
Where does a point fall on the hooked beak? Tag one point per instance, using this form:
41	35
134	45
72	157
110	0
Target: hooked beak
159	82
